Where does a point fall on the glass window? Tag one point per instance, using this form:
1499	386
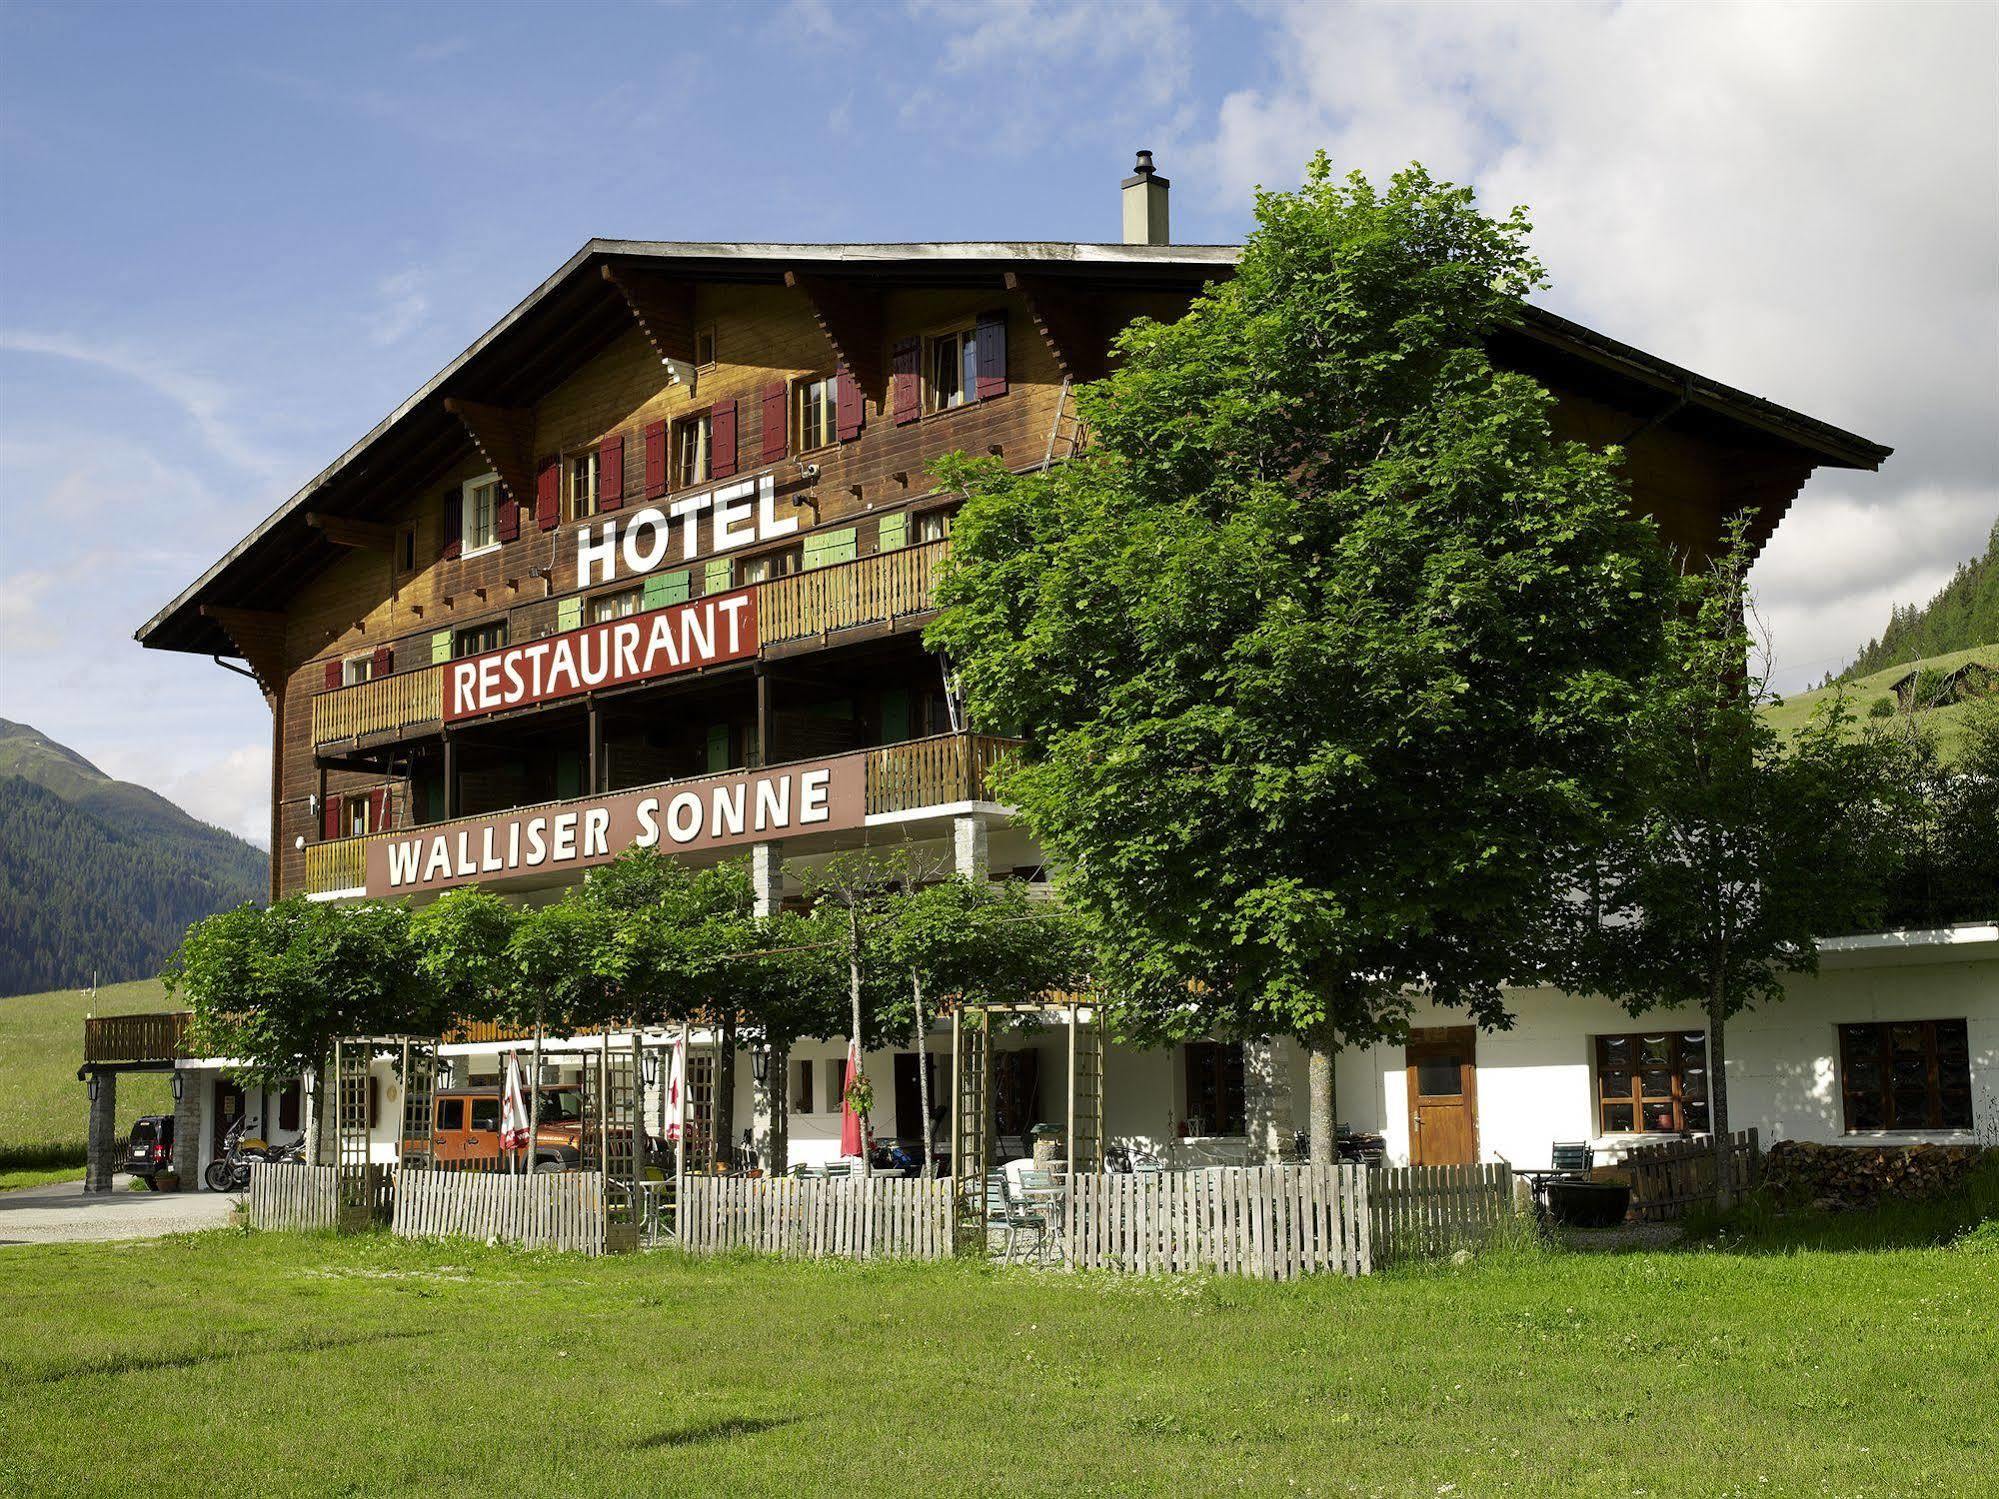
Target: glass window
691	442
1440	1075
934	526
486	1113
704	349
581	499
482	513
354	811
356	669
1215	1092
476	638
801	1087
450	1113
761	569
815	409
952	372
615	605
406	550
1653	1082
1913	1074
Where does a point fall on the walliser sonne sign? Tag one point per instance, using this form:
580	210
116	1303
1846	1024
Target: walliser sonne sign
712	812
637	648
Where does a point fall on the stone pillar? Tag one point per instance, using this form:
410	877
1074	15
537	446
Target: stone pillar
971	856
767	877
101	1155
1267	1103
190	1112
767	882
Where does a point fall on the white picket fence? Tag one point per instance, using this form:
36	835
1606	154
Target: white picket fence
549	1210
1266	1222
293	1197
860	1218
1435	1210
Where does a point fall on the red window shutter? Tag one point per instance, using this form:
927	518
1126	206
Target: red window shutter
722	439
776	440
332	675
548	493
451	532
611	472
655	459
506	518
331	828
378	809
385	661
904	362
990	343
848	410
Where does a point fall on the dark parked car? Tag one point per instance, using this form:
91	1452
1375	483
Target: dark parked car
150	1151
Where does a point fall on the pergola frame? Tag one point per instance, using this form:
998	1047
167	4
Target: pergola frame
972	1091
359	1197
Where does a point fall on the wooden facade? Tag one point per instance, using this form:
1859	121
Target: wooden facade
648	375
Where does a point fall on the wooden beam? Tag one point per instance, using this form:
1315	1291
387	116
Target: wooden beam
851	319
259	638
504	436
345	531
664	307
1068	324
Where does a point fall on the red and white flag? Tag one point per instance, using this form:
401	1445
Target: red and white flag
676	1079
851	1142
513	1109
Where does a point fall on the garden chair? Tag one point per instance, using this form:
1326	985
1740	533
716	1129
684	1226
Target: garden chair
1029	1207
838	1170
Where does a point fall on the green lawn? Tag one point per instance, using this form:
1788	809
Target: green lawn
370	1365
43	1107
1794	712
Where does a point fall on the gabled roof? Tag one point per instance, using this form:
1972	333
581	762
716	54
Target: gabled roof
574	313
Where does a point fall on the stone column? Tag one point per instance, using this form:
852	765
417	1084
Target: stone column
190	1111
101	1154
767	877
971	856
1267	1103
767	882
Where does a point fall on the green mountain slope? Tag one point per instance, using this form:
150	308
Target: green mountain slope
1867	692
97	876
1963	615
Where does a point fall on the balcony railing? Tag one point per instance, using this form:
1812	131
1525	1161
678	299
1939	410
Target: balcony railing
804	606
939	771
159	1037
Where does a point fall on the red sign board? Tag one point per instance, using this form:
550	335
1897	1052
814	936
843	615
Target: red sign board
638	648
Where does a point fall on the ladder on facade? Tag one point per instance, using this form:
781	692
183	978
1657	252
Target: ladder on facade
1065	432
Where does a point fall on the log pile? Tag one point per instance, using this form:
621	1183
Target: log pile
1800	1173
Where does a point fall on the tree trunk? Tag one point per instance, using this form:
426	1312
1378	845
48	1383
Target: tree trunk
923	1075
1717	1088
778	1080
725	1091
854	995
1324	1103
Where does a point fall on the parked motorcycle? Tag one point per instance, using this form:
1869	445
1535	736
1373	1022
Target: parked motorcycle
1351	1147
230	1172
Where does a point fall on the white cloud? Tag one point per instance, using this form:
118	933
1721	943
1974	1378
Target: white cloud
1802	201
232	790
405	305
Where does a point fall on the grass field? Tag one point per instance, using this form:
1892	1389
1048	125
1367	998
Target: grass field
42	1105
1794	712
373	1365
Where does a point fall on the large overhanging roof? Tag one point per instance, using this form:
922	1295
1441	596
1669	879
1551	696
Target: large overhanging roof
577	311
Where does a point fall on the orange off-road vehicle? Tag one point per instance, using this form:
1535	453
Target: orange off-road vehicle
466	1128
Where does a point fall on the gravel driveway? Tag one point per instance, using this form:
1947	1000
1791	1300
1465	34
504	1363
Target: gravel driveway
61	1214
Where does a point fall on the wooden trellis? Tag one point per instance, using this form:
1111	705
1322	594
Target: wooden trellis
612	1139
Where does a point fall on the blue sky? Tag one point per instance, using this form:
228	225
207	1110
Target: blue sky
231	238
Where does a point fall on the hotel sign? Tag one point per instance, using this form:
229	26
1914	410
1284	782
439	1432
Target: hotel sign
713	812
638	648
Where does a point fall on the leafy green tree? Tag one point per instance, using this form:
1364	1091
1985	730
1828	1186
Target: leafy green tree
1746	850
786	979
975	942
1946	827
1326	645
460	947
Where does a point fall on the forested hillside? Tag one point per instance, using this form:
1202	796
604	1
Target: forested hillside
1963	615
100	877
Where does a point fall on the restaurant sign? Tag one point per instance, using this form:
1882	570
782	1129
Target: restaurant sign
682	816
660	642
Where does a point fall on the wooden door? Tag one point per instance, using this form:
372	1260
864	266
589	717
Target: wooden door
1443	1096
228	1109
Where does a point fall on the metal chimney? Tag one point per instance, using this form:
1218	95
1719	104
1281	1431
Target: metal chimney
1145	205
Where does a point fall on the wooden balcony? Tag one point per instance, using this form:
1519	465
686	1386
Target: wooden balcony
940	771
114	1039
878	590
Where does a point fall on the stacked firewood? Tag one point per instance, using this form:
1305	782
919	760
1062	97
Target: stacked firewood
1800	1173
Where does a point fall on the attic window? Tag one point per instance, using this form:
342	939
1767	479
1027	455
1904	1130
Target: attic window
356	669
405	550
704	349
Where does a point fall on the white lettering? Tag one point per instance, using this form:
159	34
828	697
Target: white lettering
600	554
489	856
537	843
728	815
773	802
684	511
466	868
769	527
489	680
683	817
439	862
534	655
644	556
697	633
463	675
734	608
661	640
732	511
515	687
596	831
648	810
813	789
513	845
404	861
562	664
593	672
565	837
625	650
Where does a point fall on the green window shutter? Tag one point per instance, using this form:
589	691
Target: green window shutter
568	773
721	572
662	589
718	747
824	548
568	614
895	715
440	647
894	531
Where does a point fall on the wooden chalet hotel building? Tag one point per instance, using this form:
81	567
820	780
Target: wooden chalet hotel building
651	559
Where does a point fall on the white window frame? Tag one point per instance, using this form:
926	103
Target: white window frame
701	428
356	812
964	345
931	525
826	390
354	670
580	481
604	607
469	515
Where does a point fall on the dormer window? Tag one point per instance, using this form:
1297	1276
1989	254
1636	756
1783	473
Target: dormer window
482	513
580	498
704	349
